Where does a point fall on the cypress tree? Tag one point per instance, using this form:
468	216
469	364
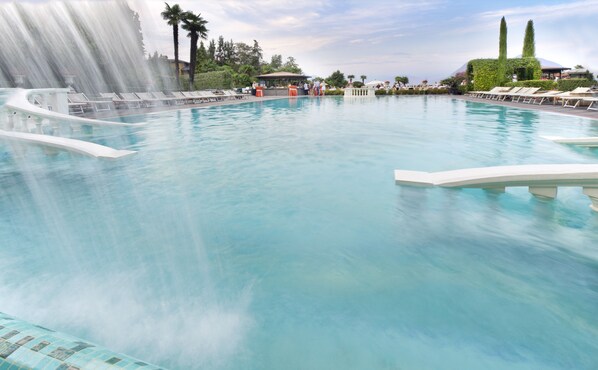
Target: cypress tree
502	53
529	44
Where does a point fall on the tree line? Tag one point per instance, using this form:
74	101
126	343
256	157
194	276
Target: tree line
244	61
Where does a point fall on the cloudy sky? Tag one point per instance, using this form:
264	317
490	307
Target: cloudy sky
423	39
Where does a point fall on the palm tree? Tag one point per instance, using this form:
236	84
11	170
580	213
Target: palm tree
363	77
351	77
196	26
173	15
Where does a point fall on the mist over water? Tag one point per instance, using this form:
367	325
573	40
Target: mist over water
97	44
102	260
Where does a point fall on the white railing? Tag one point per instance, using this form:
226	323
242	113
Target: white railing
39	116
29	110
351	92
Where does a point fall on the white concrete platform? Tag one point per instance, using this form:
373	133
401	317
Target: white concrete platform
71	145
590	141
542	180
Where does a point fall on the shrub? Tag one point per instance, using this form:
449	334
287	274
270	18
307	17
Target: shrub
432	91
184	82
438	91
334	92
409	92
213	80
381	92
463	89
573	83
453	84
542	84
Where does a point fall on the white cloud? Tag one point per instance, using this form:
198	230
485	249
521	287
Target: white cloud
545	12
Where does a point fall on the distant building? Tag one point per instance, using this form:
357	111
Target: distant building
551	70
577	73
183	66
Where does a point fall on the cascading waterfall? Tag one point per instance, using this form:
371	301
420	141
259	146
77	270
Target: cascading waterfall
93	46
147	294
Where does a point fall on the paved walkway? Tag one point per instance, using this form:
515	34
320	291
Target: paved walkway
113	113
578	112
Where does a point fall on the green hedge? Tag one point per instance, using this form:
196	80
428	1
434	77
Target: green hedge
213	80
573	83
439	91
483	71
409	92
542	84
334	92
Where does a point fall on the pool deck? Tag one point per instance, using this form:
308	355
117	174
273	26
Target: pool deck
164	108
558	109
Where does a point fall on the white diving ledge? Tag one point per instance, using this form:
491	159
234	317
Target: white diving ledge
590	141
542	180
71	145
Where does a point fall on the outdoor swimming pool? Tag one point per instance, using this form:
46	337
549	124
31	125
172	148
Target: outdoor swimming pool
272	236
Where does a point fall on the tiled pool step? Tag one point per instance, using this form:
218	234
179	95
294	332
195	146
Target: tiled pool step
27	346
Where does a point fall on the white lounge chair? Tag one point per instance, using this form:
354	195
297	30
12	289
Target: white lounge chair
592	101
168	99
480	94
220	95
210	96
524	93
502	95
198	95
234	95
545	96
81	101
120	101
132	100
573	98
489	94
531	95
148	99
77	108
193	98
39	102
180	95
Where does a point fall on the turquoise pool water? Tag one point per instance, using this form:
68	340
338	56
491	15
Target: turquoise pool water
272	236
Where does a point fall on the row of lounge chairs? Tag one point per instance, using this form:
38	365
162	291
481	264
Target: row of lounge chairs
581	96
79	102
